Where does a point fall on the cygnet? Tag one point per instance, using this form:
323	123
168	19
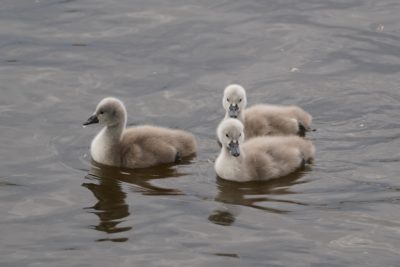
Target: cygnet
135	147
260	120
260	158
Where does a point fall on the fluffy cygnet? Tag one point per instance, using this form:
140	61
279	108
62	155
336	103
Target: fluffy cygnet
135	147
263	119
260	158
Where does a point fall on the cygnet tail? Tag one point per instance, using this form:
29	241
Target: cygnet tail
308	151
305	121
187	144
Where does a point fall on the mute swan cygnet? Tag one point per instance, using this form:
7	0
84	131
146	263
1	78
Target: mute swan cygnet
135	147
260	158
264	119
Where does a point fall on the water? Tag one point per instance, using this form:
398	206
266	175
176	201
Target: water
169	62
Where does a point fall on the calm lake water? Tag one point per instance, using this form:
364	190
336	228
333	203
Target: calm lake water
169	61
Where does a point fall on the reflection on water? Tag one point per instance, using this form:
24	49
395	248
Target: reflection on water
106	184
251	193
222	217
111	207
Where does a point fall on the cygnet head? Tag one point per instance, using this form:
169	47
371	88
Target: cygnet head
234	100
231	135
110	111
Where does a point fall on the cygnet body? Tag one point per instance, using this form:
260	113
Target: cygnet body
260	158
135	147
260	120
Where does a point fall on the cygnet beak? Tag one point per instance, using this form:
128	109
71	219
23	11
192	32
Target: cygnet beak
234	149
92	119
233	111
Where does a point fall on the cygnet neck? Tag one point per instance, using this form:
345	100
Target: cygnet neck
114	132
240	116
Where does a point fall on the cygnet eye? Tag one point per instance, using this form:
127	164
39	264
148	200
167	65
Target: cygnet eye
227	99
240	100
240	135
101	112
227	135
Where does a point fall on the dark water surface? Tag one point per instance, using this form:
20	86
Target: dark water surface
169	62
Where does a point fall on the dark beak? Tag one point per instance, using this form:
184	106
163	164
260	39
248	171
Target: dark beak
233	111
234	149
92	119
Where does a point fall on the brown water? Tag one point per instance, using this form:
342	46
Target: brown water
169	62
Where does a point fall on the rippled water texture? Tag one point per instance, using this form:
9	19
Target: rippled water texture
169	62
